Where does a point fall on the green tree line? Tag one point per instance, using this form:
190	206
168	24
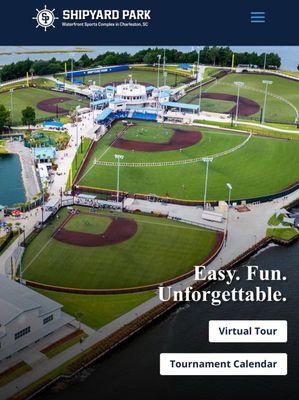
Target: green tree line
28	117
218	56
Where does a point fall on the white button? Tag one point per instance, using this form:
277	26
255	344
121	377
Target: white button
253	331
223	364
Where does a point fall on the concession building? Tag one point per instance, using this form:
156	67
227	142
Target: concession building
25	317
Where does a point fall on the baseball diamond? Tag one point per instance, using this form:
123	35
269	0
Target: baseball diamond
103	250
248	167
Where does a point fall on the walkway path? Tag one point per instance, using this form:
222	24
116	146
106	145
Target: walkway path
64	160
245	230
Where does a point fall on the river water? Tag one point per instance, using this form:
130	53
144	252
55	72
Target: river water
11	183
132	370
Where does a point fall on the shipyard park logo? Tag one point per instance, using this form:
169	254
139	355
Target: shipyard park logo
45	18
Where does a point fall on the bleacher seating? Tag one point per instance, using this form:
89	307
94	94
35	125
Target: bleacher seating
148	115
144	115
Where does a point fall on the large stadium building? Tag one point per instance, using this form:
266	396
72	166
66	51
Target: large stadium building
139	101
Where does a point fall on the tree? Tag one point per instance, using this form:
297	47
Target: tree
4	117
84	61
28	116
147	59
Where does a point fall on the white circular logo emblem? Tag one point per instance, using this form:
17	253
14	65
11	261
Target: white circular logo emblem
45	18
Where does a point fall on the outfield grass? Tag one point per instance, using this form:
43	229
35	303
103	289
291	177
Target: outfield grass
23	98
146	258
40	82
260	130
276	110
210	71
250	169
139	75
97	311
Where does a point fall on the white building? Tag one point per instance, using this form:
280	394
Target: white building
132	93
26	317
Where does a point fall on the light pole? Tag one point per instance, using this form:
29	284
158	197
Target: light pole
11	104
197	79
118	157
158	77
265	61
77	134
164	71
207	160
43	205
267	83
229	186
72	68
199	99
239	85
92	108
198	57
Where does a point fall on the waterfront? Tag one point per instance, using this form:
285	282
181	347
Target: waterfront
11	184
132	371
289	54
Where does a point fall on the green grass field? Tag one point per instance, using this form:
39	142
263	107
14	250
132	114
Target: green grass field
141	76
283	233
23	98
147	257
97	311
276	110
250	169
88	224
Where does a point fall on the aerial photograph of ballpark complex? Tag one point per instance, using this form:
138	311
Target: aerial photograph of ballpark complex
121	169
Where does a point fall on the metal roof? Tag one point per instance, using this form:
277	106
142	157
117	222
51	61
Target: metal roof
104	114
98	102
180	105
16	299
164	93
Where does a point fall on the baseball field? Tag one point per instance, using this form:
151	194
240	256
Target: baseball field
174	167
46	103
282	101
109	250
97	310
148	77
